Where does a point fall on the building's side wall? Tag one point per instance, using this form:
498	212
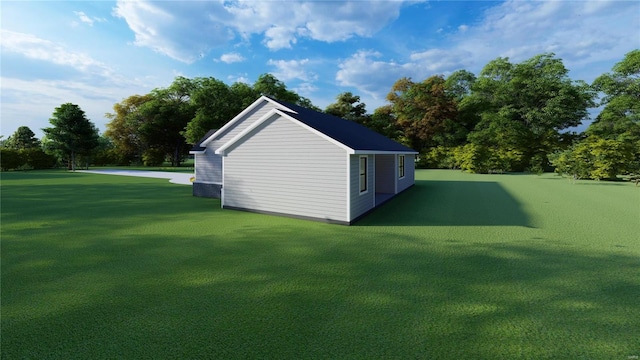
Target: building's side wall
385	173
409	173
281	167
209	165
361	202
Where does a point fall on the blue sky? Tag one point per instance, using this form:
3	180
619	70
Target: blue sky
95	54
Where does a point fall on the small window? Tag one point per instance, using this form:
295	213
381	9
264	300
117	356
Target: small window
400	166
363	174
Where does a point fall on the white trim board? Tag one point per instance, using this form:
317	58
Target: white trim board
222	149
231	122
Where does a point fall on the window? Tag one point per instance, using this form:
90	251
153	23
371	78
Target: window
363	174
400	166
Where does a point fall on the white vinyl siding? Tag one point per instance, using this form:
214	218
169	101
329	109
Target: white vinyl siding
282	167
361	202
409	173
209	165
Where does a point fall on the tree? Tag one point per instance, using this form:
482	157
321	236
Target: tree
620	118
72	133
524	106
348	106
383	122
269	85
424	111
595	158
23	138
244	93
459	85
164	118
215	104
10	159
124	129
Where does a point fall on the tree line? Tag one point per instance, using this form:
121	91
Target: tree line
509	117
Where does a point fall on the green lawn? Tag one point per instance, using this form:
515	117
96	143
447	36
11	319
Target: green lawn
460	266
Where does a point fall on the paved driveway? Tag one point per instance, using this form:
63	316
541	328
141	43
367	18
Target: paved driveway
173	177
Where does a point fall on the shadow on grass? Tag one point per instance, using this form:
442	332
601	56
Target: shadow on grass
137	269
287	293
450	203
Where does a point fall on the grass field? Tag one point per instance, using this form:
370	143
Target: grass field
460	266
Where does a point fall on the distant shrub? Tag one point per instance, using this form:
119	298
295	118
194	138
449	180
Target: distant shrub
153	157
38	159
11	159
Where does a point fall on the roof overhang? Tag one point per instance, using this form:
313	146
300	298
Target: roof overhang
231	122
223	149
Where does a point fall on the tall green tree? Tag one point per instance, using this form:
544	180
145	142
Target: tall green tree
348	106
268	84
123	129
22	139
71	134
424	111
524	106
620	117
215	104
165	117
459	85
384	122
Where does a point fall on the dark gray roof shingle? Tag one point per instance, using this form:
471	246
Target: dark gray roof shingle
197	146
349	133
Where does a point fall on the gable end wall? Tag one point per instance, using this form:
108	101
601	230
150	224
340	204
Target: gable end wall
281	167
209	165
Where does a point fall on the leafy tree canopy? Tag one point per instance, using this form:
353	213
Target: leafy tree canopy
620	118
348	106
23	138
424	111
523	106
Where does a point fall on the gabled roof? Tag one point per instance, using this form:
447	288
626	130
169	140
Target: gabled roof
352	135
197	147
237	118
349	133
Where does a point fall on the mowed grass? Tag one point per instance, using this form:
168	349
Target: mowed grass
460	266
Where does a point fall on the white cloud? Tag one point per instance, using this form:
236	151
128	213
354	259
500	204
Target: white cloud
84	18
231	58
292	69
580	33
88	20
369	75
31	102
241	78
180	30
305	89
35	48
375	77
327	21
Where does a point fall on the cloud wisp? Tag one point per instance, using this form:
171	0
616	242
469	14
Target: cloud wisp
185	30
580	33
